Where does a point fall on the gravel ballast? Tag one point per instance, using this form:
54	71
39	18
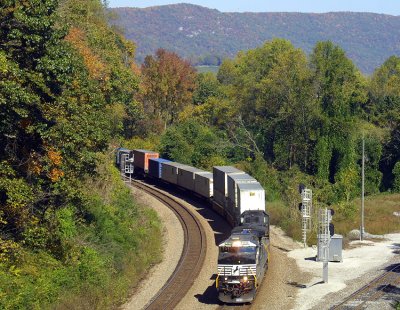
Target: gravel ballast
293	280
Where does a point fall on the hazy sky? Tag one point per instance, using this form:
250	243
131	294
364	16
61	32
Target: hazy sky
317	6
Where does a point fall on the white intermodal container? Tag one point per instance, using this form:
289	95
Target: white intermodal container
186	176
233	180
221	183
250	196
203	184
170	172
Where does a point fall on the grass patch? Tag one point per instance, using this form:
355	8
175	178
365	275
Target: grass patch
378	215
204	69
379	218
281	215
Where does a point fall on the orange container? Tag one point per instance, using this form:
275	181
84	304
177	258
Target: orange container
141	158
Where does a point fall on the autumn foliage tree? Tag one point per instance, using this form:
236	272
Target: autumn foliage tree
56	94
67	223
168	85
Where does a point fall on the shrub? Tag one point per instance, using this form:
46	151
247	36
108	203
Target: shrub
396	181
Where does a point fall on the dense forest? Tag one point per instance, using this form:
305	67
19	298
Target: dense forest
285	118
70	92
205	36
70	235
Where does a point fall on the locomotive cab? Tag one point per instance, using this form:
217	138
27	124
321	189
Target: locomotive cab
241	262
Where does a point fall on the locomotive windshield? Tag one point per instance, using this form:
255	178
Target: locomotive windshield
237	255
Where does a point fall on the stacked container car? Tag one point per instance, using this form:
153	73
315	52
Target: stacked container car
239	198
186	177
220	174
141	160
155	167
203	184
233	181
170	172
230	190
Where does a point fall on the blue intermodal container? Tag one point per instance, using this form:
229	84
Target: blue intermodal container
155	167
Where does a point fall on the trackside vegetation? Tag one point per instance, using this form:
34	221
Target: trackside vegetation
71	236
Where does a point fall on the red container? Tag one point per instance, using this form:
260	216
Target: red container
141	158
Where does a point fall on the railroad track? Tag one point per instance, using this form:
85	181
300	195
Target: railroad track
373	291
234	307
193	253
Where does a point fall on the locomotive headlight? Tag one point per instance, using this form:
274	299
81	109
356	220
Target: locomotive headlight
245	279
236	244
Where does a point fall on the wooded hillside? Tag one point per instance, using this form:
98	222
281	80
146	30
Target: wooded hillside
69	229
205	36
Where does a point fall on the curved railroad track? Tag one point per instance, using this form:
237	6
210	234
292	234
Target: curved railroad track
193	253
373	291
235	307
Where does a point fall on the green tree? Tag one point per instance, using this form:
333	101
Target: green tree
383	107
338	84
194	144
340	92
109	58
396	173
207	86
52	120
270	86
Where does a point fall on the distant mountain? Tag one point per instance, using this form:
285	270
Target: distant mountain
196	32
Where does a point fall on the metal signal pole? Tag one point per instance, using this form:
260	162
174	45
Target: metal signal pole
362	190
306	209
324	239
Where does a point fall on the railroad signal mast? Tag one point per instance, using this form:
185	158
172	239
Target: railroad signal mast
324	239
306	209
127	166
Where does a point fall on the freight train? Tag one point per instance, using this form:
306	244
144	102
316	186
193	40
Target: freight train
244	257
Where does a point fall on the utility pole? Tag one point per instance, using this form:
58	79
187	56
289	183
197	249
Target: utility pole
362	190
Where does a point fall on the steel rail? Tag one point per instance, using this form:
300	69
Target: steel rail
372	291
193	254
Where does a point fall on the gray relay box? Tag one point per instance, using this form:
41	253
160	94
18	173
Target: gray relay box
335	249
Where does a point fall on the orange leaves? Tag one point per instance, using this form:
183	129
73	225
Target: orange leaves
168	84
55	174
54	157
97	69
55	160
49	164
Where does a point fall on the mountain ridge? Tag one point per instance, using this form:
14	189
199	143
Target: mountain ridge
194	31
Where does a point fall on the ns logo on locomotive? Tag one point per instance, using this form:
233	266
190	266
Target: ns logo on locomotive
243	257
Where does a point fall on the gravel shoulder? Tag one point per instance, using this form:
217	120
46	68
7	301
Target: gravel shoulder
360	265
173	245
280	285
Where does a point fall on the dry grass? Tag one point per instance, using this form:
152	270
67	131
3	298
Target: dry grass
378	215
379	218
